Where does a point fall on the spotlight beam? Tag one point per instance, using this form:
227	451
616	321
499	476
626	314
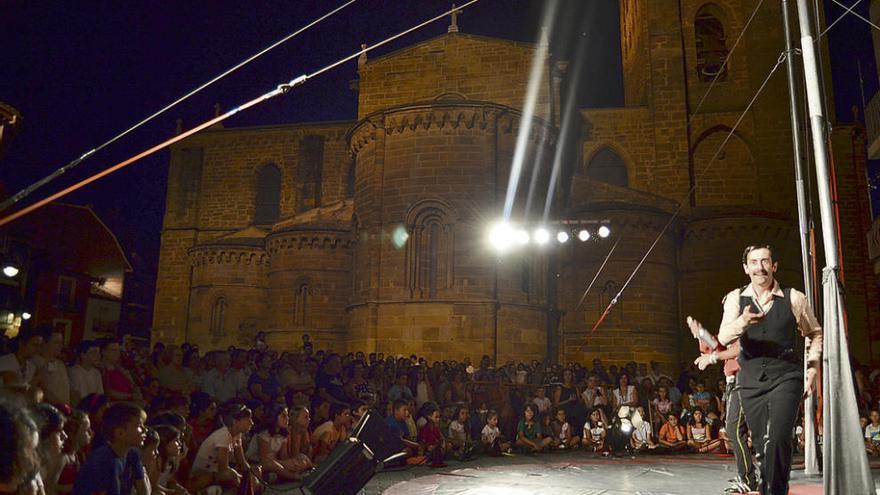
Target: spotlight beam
525	129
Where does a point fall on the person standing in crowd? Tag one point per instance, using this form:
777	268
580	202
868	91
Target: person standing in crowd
118	383
16	367
84	376
51	373
220	382
765	318
735	428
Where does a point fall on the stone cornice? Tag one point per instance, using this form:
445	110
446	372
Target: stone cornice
232	255
741	228
476	115
309	239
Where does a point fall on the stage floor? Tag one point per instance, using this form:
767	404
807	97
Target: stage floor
576	473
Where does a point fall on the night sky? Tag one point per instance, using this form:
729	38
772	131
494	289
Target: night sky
81	72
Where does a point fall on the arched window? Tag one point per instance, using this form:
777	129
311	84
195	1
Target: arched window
429	255
303	301
218	318
308	179
268	195
711	43
608	167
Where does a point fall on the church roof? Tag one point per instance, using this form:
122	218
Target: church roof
248	237
475	37
336	216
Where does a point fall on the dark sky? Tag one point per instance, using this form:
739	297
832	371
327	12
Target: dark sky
80	72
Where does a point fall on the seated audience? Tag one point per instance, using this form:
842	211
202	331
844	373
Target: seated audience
561	430
529	437
114	466
333	431
699	434
431	437
215	458
494	443
595	432
672	436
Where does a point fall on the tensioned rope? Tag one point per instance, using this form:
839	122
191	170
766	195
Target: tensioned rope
281	89
57	173
726	60
681	203
696	180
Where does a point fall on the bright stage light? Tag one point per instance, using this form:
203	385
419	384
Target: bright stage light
542	236
25	316
584	235
562	237
10	270
522	237
501	236
604	231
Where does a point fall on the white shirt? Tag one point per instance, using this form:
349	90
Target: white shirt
207	458
84	382
641	434
543	404
456	431
872	433
275	444
490	433
55	382
8	362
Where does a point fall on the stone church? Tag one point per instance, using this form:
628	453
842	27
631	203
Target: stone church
370	234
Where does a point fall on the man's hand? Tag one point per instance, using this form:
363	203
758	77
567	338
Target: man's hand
809	382
704	361
750	317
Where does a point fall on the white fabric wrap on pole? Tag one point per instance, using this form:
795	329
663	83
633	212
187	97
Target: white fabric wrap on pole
844	460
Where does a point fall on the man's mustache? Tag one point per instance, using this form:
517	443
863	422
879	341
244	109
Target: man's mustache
760	272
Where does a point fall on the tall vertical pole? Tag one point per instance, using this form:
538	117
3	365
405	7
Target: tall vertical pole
811	462
844	459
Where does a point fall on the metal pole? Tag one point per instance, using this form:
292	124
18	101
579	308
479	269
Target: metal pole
844	459
811	462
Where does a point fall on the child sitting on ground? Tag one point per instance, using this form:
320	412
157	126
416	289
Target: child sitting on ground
561	429
459	435
672	436
122	433
699	434
872	434
431	437
213	465
642	437
528	432
494	442
595	433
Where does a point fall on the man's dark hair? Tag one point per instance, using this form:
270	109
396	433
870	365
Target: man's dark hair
118	416
336	409
753	247
397	404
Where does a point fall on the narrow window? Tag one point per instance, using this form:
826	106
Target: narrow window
311	160
218	318
301	313
711	44
268	195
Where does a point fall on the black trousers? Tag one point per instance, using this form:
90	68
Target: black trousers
771	407
738	432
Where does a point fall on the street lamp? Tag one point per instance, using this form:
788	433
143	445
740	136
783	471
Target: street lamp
10	270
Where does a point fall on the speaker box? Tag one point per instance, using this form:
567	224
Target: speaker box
383	442
345	471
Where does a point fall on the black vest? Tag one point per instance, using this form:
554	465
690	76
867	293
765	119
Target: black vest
767	348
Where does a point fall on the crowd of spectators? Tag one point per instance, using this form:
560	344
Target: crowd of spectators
119	418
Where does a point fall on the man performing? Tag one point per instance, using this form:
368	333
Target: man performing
764	318
734	420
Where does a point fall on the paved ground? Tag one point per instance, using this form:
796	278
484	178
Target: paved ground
573	473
